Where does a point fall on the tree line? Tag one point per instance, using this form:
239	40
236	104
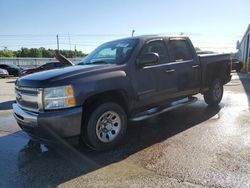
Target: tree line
39	52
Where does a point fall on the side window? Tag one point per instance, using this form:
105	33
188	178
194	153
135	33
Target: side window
156	47
179	50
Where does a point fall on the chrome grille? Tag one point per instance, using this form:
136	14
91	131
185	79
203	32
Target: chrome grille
28	98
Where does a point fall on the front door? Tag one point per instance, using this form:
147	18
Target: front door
153	82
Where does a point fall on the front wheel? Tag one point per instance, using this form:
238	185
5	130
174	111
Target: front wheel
214	95
105	127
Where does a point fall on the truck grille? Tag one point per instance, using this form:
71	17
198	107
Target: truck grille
28	98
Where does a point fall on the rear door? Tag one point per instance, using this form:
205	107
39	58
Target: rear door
185	66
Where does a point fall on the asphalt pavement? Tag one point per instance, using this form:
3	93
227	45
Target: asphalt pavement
192	146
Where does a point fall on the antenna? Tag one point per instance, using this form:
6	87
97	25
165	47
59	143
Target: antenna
133	32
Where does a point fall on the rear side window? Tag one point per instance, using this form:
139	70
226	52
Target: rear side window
179	50
156	47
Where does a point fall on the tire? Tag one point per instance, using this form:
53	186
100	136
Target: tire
104	127
215	93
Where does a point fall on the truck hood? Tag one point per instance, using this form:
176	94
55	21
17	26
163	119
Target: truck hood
48	78
62	59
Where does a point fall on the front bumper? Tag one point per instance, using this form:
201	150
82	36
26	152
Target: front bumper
49	126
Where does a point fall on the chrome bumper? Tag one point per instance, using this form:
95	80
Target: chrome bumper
49	125
24	117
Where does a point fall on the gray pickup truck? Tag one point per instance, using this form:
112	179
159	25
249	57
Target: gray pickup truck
131	79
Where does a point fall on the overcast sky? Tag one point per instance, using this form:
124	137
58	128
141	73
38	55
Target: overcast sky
212	24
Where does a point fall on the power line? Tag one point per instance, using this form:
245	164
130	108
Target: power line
23	45
62	35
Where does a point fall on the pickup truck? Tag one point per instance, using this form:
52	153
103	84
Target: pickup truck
130	79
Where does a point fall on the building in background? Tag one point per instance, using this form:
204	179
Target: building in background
244	49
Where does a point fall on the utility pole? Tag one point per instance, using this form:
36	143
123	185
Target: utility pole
69	42
75	50
133	32
57	38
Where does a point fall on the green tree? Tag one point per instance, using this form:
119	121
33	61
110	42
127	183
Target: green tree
35	52
39	52
24	52
6	53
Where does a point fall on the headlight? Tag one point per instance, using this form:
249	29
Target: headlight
58	97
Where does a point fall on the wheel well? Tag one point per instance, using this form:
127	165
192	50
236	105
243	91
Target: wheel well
220	73
118	96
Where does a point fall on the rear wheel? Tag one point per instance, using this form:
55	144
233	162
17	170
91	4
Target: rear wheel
214	95
105	127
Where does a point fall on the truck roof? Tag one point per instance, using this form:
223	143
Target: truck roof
149	37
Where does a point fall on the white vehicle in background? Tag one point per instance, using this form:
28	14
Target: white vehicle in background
3	73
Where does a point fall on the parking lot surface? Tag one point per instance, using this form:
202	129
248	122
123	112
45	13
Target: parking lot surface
193	146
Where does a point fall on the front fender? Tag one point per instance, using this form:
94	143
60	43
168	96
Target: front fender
101	82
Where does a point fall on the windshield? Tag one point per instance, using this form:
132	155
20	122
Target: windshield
115	52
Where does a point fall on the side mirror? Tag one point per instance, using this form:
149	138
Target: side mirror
148	59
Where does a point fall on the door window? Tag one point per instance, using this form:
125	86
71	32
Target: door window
179	50
156	47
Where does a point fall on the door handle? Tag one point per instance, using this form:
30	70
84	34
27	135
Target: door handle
195	66
170	70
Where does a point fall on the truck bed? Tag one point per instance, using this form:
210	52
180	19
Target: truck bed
214	65
206	58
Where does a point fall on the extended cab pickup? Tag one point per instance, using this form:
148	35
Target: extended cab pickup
129	79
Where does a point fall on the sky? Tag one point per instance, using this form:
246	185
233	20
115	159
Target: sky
84	24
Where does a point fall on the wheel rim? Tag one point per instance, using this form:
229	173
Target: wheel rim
108	126
217	91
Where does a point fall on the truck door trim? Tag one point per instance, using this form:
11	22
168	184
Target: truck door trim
146	92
